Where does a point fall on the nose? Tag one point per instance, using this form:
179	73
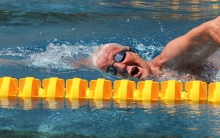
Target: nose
120	67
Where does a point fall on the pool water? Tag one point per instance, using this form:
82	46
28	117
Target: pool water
47	39
156	121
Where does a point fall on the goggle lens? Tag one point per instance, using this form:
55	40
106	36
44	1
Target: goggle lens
112	70
119	57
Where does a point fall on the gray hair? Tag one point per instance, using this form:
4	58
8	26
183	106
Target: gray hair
97	56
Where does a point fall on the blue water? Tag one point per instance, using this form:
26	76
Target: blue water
45	38
157	120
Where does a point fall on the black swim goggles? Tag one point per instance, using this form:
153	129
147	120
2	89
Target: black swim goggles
119	57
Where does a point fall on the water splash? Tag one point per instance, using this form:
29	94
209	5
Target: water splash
57	56
60	57
148	52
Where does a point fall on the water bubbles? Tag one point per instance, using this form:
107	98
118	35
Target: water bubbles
161	27
56	57
18	52
54	40
61	56
147	52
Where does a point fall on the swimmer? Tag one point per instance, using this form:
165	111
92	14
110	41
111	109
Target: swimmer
186	52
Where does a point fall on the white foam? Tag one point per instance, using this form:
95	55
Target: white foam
148	52
55	57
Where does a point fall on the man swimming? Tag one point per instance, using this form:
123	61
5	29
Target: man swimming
186	52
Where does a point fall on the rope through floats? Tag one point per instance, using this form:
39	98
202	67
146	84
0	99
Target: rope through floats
53	89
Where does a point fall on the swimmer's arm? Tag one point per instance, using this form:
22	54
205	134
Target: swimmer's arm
204	35
79	63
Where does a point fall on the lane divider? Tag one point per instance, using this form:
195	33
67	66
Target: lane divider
52	89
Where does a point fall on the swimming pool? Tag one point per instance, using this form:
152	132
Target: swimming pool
45	38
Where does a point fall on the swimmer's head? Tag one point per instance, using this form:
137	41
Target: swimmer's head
121	61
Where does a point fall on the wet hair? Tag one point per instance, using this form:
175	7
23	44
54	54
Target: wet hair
97	56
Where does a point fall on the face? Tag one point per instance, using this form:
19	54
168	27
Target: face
130	64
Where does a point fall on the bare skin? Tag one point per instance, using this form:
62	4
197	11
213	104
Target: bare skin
185	52
189	50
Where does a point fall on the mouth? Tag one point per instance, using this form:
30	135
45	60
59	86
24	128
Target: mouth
134	72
